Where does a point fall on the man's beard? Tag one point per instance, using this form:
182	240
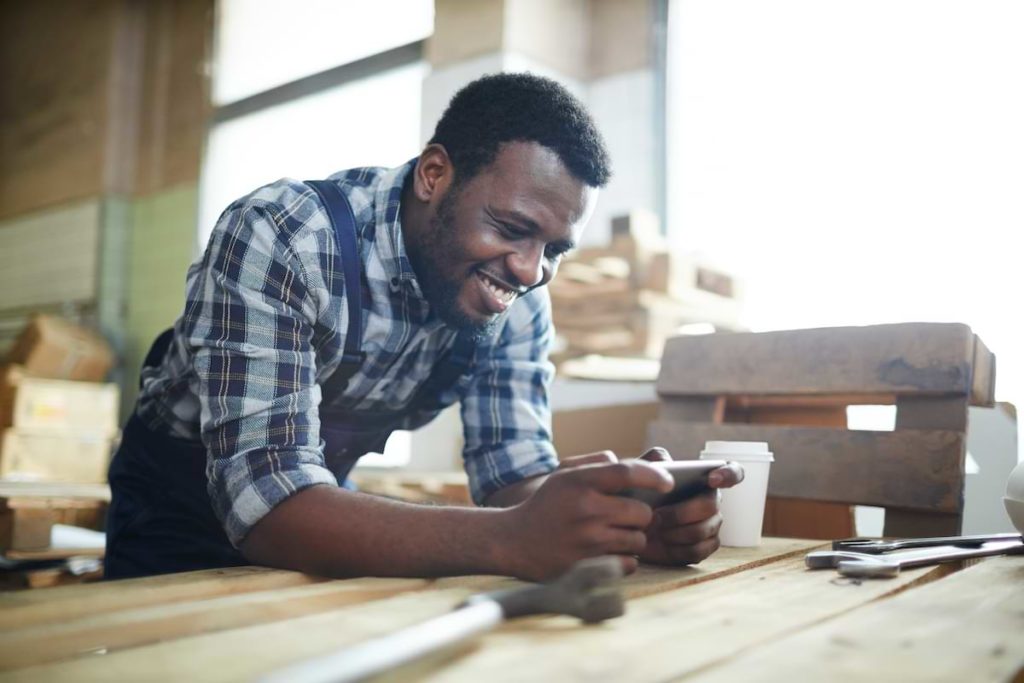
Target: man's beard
433	259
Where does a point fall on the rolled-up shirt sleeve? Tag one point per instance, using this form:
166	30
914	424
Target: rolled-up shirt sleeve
505	413
250	321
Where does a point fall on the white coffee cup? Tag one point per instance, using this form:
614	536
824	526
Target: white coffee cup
742	506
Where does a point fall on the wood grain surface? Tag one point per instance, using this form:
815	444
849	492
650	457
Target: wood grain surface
967	627
743	614
909	358
184	650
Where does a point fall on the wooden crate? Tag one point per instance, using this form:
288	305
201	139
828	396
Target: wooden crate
28	511
792	388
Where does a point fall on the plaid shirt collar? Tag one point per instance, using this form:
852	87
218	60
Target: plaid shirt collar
388	238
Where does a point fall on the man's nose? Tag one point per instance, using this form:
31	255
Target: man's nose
528	265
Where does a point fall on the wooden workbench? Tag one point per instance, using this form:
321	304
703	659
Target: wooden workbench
741	615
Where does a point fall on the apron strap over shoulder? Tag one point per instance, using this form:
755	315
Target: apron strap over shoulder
339	211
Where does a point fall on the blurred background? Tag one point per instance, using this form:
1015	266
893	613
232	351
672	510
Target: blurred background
778	163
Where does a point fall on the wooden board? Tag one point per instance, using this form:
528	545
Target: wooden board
917	470
983	384
246	652
24	492
117	631
967	627
132	627
679	633
912	358
21	610
53	553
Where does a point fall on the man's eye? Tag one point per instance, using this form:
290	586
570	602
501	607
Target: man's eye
512	231
554	253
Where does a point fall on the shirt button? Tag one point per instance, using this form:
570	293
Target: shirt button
396	284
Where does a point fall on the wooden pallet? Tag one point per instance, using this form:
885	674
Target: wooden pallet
792	388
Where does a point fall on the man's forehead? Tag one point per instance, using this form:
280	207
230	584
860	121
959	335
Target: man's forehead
528	177
528	161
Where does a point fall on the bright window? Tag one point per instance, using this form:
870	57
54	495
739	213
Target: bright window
262	44
855	162
374	121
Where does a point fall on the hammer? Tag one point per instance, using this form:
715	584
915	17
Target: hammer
589	590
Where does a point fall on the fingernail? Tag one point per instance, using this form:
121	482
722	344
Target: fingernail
715	479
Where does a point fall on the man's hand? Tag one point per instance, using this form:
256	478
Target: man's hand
687	532
576	514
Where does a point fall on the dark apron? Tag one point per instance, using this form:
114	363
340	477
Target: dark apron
160	518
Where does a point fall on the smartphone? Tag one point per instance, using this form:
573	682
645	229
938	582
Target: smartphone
690	476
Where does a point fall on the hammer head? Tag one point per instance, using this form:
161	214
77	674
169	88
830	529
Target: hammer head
590	590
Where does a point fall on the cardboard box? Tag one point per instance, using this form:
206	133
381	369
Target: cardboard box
56	407
48	457
58	349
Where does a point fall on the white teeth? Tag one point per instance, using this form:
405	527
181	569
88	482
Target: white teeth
503	295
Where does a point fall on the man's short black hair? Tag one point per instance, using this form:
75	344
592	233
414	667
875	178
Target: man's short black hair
511	107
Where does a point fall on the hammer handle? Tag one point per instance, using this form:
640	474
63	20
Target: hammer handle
377	655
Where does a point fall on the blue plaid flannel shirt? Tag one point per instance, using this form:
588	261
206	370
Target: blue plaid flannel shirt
264	323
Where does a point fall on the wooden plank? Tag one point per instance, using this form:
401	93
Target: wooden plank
670	635
917	470
806	401
692	409
967	627
129	628
21	610
807	519
132	627
983	384
928	412
245	653
912	358
917	524
49	553
651	579
932	412
18	490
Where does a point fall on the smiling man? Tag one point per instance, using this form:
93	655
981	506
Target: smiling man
326	314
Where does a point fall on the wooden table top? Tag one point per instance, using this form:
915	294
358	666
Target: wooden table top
741	615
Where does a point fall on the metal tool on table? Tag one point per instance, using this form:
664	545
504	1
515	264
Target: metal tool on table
877	546
590	591
867	558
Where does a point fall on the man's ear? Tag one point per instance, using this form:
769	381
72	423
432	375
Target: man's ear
434	173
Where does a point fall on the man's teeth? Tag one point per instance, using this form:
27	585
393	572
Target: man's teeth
506	296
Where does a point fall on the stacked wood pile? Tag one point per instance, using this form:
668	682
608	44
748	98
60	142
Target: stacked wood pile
58	427
627	298
792	388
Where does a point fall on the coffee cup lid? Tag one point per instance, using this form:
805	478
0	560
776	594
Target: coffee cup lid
755	451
